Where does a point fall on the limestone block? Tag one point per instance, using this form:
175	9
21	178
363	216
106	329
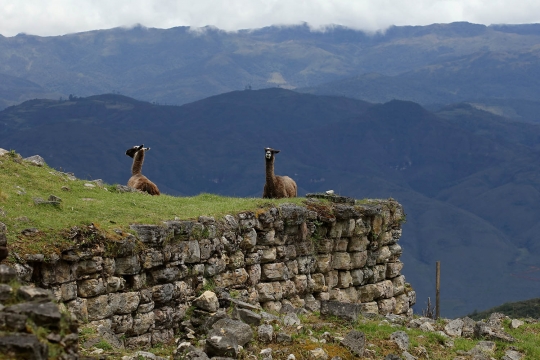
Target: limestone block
164	317
331	279
399	285
206	247
109	266
323	296
301	283
387	238
454	328
88	267
286	252
272	306
393	269
268	238
170	274
78	308
358	259
275	271
57	273
351	294
341	261
293	267
370	307
344	279
355	341
269	255
249	239
144	308
324	246
162	293
215	265
412	297
306	264
379	272
288	288
138	342
137	282
304	248
68	291
153	235
383	255
357	276
254	257
236	260
337	294
377	224
124	303
386	289
318	282
207	301
231	278
362	227
129	265
402	304
254	273
358	243
336	230
324	263
341	244
142	323
396	251
121	323
269	292
190	251
369	293
99	307
152	258
91	288
386	306
182	291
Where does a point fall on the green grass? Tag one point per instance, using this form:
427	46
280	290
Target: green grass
104	207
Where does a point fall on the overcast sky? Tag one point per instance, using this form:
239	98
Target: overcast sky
58	17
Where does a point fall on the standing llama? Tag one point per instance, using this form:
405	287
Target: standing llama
277	187
138	180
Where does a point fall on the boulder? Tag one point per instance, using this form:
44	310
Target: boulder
355	341
207	301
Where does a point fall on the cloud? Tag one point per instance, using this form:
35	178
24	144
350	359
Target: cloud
57	17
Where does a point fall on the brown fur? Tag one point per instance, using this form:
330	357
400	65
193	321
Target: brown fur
277	187
138	180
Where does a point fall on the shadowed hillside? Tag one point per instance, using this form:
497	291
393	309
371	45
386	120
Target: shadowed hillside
470	193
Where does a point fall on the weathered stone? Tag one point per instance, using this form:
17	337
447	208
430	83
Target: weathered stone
115	284
254	273
207	301
31	293
344	279
231	278
343	310
78	308
355	341
121	323
516	323
142	323
242	332
331	279
318	354
454	328
358	243
124	303
138	342
265	333
129	265
44	314
99	307
162	293
90	288
57	273
247	316
341	261
276	271
401	339
35	160
22	346
324	263
393	269
386	306
358	259
221	343
283	338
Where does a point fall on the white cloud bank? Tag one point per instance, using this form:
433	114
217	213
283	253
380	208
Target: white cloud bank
58	17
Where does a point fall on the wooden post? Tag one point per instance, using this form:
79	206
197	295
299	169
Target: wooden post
438	291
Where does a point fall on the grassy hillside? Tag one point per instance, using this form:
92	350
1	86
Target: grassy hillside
82	205
518	309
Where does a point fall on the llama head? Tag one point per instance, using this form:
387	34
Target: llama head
269	153
132	151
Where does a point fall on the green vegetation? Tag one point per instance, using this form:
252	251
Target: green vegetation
520	309
104	207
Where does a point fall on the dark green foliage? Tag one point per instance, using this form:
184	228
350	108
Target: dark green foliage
515	310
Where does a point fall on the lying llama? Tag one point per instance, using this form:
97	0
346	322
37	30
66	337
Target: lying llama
138	180
277	187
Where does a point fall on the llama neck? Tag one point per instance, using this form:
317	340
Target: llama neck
270	177
138	160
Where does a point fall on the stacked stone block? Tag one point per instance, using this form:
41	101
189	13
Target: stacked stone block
142	287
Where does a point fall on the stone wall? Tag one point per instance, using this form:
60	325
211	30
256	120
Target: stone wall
141	287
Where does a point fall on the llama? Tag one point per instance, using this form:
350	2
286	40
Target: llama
138	180
277	187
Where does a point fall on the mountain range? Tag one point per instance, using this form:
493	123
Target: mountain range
468	178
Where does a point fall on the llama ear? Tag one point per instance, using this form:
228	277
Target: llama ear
275	151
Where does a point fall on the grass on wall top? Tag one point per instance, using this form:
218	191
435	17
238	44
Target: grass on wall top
21	182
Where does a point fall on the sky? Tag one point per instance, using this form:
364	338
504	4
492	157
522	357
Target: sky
59	17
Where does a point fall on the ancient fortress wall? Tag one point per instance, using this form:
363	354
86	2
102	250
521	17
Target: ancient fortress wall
142	286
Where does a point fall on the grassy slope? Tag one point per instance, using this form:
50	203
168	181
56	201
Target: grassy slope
82	205
519	309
